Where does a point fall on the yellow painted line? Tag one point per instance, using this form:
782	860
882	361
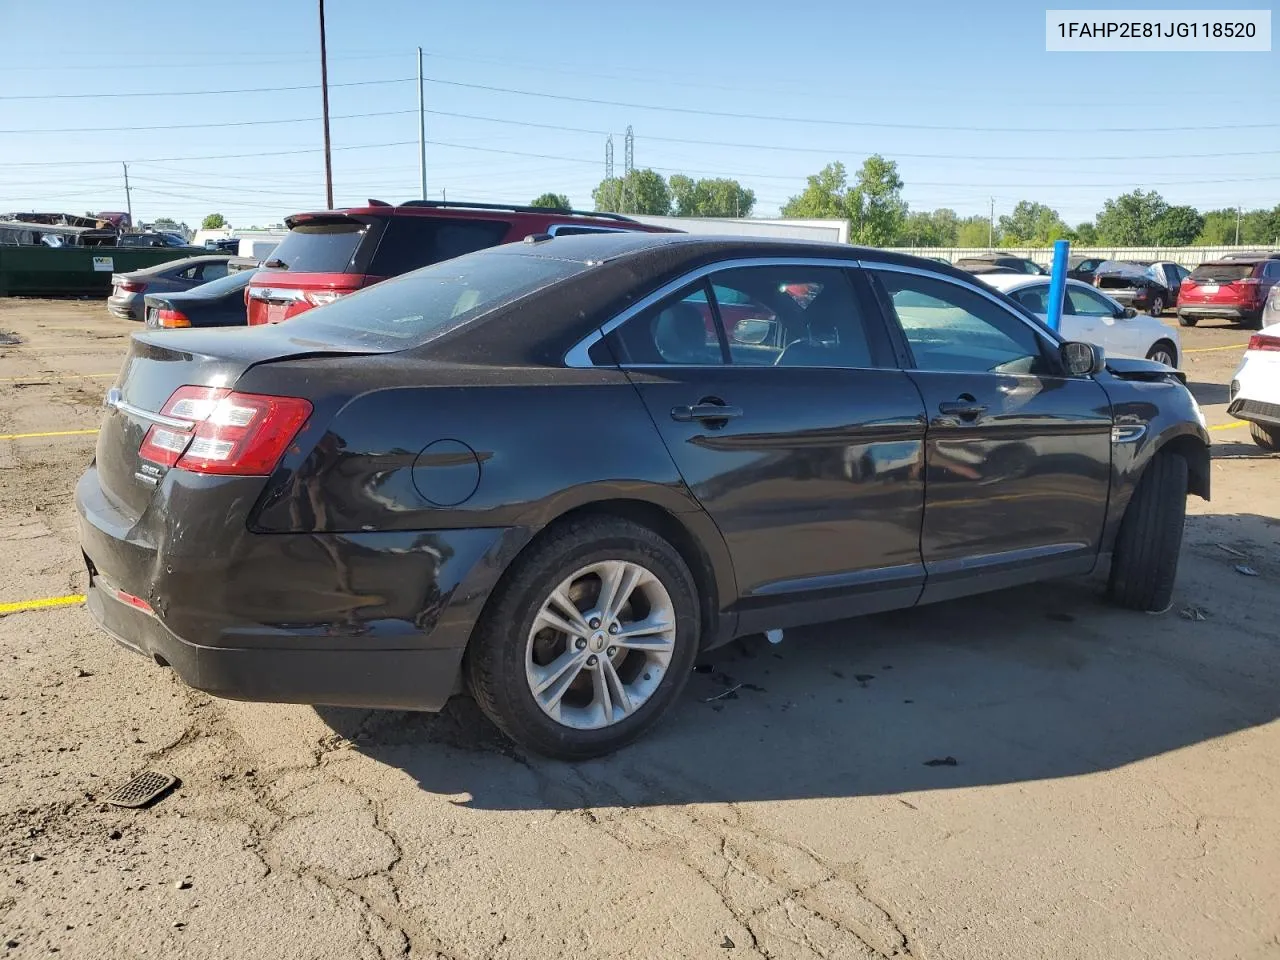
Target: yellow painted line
50	433
1231	346
44	603
1229	426
57	377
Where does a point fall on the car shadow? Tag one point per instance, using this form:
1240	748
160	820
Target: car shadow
1207	394
1240	450
1037	682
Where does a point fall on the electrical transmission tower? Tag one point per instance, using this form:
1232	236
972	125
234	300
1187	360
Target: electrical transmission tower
628	168
608	158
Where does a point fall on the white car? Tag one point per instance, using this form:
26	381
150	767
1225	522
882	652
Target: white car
1255	388
1092	316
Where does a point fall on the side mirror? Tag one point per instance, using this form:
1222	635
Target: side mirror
751	331
1082	359
1129	313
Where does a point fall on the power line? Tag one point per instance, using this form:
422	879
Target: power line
827	121
203	126
196	93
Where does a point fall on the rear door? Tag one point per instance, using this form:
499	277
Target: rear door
1097	322
1018	456
796	431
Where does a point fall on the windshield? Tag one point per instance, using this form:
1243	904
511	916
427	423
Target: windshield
1221	272
323	247
418	307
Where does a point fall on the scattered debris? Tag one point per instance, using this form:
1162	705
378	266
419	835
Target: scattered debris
943	762
1233	551
114	835
1192	613
178	924
727	944
11	944
183	884
9	339
1247	570
731	694
81	672
142	790
34	858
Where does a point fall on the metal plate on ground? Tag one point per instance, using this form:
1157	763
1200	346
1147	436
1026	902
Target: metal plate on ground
144	789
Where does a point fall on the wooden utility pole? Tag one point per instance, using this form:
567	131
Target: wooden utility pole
324	94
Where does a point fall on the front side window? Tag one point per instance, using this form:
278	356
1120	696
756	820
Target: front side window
1086	303
1035	299
953	329
677	331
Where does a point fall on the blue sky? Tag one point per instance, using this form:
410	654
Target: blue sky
847	64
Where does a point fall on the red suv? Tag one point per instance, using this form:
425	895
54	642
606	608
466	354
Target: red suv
335	252
1234	287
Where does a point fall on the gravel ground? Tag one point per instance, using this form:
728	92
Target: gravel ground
1105	787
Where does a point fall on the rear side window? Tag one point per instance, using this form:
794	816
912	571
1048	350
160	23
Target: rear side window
1221	272
320	246
411	242
415	308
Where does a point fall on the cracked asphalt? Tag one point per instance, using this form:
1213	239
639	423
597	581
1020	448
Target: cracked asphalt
1105	782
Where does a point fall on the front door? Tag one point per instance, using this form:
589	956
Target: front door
1018	455
796	432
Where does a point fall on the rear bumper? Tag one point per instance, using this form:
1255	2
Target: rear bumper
396	679
126	308
1225	310
362	619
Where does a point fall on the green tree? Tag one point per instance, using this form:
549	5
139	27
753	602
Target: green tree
167	223
552	201
824	196
877	209
214	221
640	191
1086	234
931	228
1178	226
975	231
1219	228
1031	224
720	197
1131	219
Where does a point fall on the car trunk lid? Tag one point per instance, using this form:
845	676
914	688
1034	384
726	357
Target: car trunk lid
160	362
322	258
1220	283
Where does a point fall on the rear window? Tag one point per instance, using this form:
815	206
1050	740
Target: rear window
418	307
1222	272
410	242
324	247
232	281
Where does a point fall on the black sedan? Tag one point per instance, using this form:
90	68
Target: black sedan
219	303
557	470
128	289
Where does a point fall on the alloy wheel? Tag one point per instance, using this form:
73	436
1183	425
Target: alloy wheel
600	645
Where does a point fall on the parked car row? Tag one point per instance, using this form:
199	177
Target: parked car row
358	507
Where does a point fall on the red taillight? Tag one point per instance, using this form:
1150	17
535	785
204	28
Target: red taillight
244	434
132	286
172	318
1265	342
1252	288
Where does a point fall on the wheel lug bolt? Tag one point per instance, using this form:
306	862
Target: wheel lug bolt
591	660
612	651
614	628
581	644
595	623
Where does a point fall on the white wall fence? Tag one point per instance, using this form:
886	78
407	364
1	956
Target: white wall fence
1187	256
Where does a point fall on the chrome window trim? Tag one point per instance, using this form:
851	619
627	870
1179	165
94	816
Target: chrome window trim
579	355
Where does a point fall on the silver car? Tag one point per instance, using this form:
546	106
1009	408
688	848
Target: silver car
173	276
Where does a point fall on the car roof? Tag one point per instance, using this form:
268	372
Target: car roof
183	262
436	208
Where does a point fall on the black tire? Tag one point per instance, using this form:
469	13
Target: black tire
1157	307
1164	347
495	666
1186	321
1145	561
1268	438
